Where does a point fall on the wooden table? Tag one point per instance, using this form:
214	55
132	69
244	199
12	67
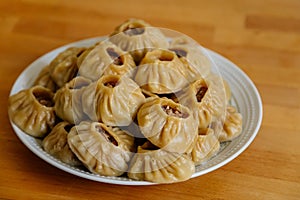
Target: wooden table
262	37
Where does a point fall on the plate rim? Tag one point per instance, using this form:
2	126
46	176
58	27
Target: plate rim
25	138
259	119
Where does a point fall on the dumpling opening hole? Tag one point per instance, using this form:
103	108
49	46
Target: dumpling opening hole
117	59
44	98
136	30
111	81
179	52
68	128
174	111
201	92
108	137
166	56
111	84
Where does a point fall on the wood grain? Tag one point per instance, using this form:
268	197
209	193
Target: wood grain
262	37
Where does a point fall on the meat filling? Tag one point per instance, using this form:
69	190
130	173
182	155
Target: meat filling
117	59
201	92
174	112
111	84
43	98
107	136
134	31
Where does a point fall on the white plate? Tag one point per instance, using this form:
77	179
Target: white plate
245	97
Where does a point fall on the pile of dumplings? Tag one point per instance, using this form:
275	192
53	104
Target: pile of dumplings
137	105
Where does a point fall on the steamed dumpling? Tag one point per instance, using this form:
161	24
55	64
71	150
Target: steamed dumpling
161	72
63	67
192	55
168	125
113	100
206	146
56	144
106	58
68	103
44	79
102	149
232	126
160	166
32	110
137	37
206	98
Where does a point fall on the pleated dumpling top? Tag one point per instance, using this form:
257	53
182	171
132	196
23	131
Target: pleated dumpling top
137	37
102	149
105	58
32	110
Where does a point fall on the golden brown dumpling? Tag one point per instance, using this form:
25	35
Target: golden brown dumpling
206	146
113	100
206	98
160	166
103	150
168	125
106	58
232	126
44	79
192	55
137	37
161	72
32	110
63	67
56	144
68	101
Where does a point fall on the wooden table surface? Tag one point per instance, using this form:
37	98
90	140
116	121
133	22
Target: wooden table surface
262	37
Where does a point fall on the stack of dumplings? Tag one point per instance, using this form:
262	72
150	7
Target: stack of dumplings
139	105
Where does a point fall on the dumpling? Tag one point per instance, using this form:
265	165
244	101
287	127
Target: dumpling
32	110
192	55
106	58
232	126
137	37
206	146
102	149
68	101
44	79
160	166
56	144
206	98
168	125
161	72
63	67
113	100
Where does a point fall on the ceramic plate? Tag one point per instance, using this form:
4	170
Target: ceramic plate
244	96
